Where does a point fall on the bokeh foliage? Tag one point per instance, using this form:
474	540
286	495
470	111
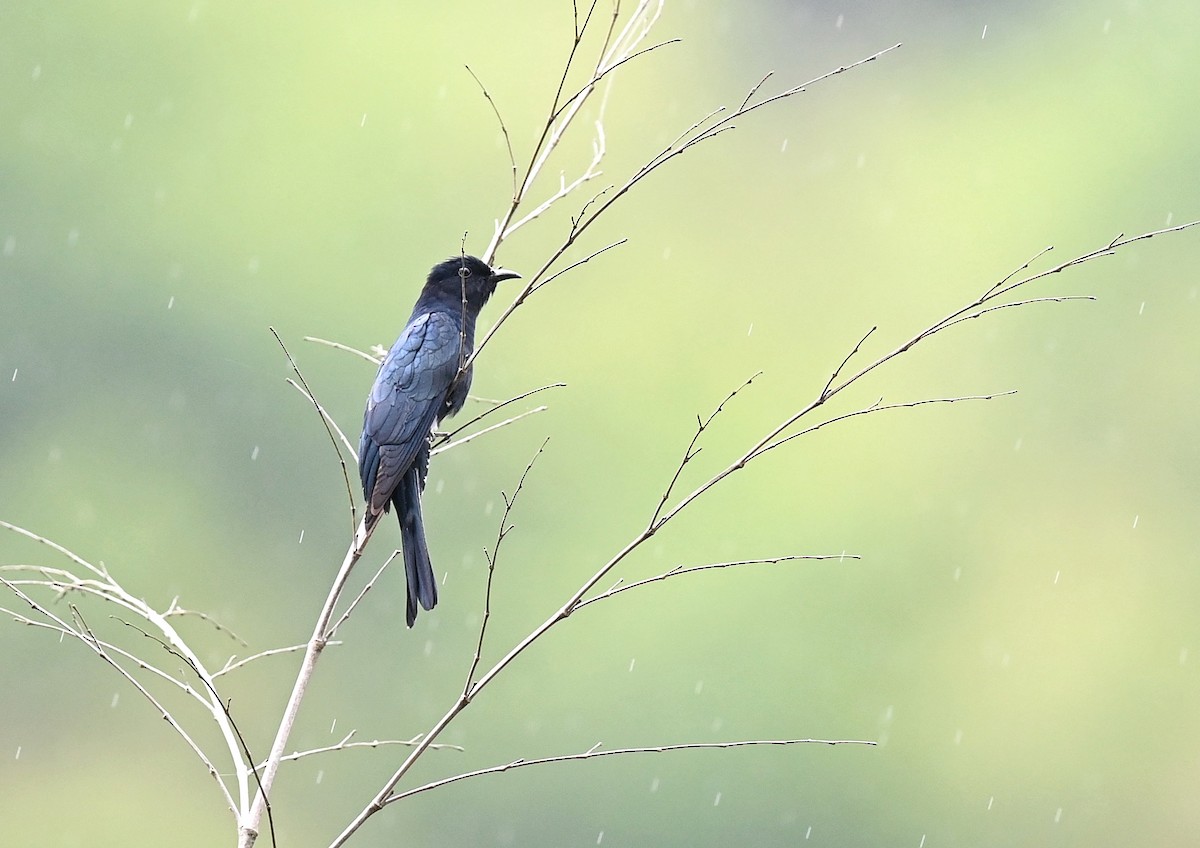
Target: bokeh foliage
1021	634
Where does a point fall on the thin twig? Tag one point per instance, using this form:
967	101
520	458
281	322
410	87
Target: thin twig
448	445
327	422
501	533
870	410
678	570
375	743
358	598
376	360
512	159
597	751
497	406
690	452
176	610
231	665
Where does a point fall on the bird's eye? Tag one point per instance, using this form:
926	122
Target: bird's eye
464	272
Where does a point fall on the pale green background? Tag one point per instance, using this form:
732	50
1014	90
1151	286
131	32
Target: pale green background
1021	635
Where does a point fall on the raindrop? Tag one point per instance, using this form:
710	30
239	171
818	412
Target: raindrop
862	160
363	122
699	686
320	776
921	844
10	245
301	540
1107	25
600	837
254	453
252	265
666	253
37	72
428	647
488	507
991	800
1183	655
840	20
958	734
654	785
116	698
751	329
333	725
171	302
1142	308
632	660
783	149
808	832
14	379
1170	216
1005	660
982	37
957	573
1057	575
1017	445
716	724
1058	815
717	800
441	484
18	756
128	120
1135	521
72	237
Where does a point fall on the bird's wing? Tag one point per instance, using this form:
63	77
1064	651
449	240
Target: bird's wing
408	392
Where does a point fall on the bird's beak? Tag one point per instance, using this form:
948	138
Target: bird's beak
501	274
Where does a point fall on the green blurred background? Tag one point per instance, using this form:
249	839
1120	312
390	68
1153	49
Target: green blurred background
1020	635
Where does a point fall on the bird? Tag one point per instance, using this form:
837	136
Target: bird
423	379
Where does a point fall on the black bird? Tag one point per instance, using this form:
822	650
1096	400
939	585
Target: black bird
421	381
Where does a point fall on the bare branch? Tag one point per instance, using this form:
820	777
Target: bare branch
870	410
576	264
844	362
327	422
678	570
691	450
74	557
501	532
358	598
682	144
478	433
84	633
512	159
176	610
597	751
231	665
376	360
250	822
495	408
346	744
330	424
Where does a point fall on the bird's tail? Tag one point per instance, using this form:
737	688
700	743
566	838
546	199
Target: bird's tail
418	568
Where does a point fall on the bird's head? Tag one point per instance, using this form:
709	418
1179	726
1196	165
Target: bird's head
468	278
